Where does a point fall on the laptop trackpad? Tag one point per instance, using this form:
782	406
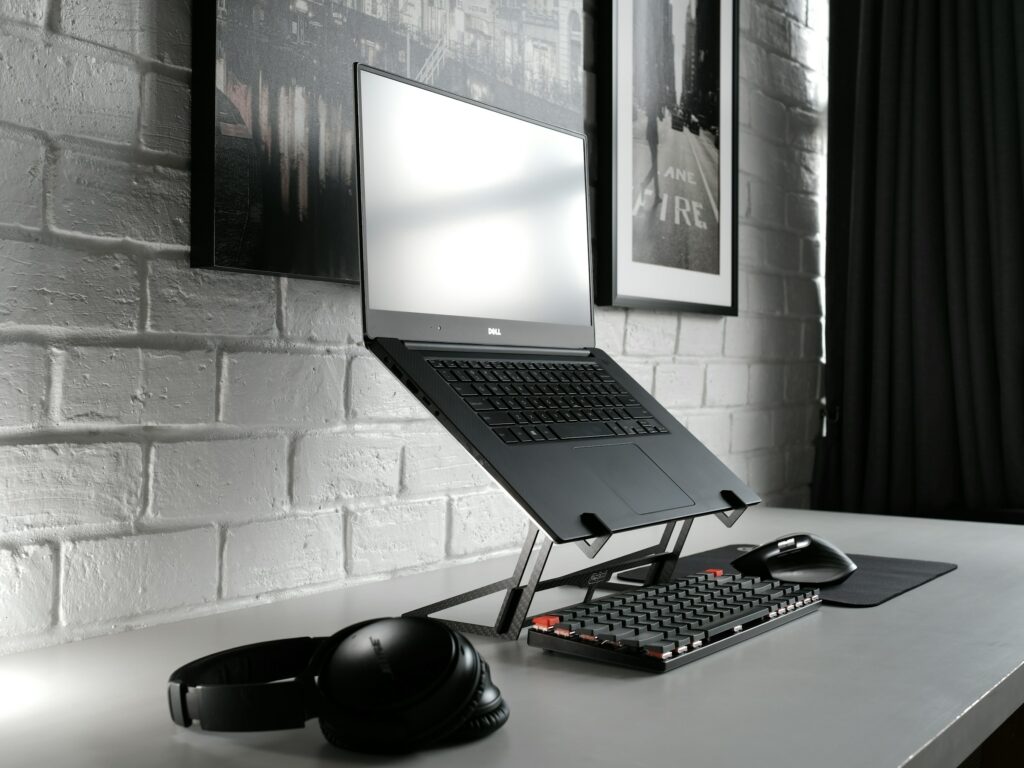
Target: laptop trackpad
634	477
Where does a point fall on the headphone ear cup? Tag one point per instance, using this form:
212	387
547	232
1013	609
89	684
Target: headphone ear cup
488	711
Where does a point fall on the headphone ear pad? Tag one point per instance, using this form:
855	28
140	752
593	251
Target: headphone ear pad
488	712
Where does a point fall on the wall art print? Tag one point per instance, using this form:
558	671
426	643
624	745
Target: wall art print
273	112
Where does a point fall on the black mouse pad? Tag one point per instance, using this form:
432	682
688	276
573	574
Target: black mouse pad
876	579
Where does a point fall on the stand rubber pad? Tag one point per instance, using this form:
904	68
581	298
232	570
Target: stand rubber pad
876	580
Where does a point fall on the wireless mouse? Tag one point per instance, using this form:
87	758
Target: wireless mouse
800	557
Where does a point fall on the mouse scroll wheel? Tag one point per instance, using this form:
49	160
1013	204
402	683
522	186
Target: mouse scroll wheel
785	544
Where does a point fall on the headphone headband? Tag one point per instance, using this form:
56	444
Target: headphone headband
256	687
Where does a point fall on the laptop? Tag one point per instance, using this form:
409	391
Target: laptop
476	287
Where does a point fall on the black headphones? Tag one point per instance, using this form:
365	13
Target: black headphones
387	685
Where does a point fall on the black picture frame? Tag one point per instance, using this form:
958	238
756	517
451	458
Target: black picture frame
651	252
257	62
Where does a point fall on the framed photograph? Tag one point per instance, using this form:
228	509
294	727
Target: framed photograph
666	177
273	124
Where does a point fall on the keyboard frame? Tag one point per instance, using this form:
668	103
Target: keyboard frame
589	649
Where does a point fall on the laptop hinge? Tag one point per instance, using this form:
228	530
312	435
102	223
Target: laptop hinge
422	345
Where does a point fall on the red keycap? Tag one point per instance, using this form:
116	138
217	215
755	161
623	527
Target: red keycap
716	572
545	622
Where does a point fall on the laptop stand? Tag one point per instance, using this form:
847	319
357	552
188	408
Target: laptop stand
518	596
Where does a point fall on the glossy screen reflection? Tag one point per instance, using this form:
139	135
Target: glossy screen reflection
469	212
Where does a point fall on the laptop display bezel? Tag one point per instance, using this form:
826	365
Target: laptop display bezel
453	329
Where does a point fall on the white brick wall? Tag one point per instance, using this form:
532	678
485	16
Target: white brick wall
174	440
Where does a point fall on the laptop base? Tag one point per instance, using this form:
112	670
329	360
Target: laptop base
515	608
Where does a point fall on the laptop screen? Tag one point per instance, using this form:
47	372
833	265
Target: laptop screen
469	214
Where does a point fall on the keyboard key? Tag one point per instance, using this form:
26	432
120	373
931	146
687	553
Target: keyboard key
534	434
497	419
616	635
580	430
506	436
727	624
479	404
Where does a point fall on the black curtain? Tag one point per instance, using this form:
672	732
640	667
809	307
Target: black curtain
924	376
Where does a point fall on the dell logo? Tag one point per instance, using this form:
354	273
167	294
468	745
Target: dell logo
494	331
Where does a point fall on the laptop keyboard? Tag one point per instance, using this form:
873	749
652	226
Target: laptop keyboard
540	401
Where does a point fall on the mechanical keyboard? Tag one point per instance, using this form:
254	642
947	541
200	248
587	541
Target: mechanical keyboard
665	626
537	401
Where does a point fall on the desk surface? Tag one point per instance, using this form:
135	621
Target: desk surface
920	680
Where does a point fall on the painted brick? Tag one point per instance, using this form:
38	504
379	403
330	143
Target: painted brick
40	285
751	247
264	388
119	578
21	182
486	522
761	159
817	15
440	465
64	91
187	300
770	28
762	338
166	114
810	257
26	600
23	373
802	382
808	48
799	465
712	429
806	129
766	384
321	311
282	554
374	393
131	386
330	467
395	536
795	425
108	198
49	486
102	384
812	344
765	294
768	116
727	384
113	23
802	213
651	332
220	480
802	297
786	80
793	8
744	337
159	30
761	201
751	430
178	387
766	472
701	336
31	11
679	385
782	251
610	329
166	28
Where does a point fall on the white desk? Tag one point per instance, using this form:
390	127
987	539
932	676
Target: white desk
921	680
